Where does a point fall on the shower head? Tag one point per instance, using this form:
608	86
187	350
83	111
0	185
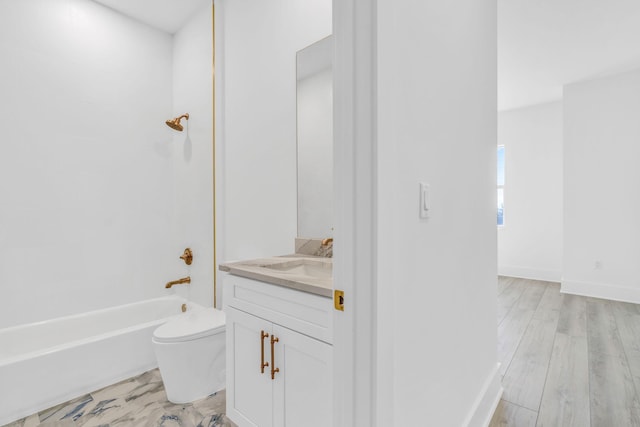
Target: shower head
175	123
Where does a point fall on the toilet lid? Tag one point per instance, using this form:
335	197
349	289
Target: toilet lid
191	325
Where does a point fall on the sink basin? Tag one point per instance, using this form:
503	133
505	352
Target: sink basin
304	267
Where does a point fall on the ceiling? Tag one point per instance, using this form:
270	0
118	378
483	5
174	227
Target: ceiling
544	44
165	15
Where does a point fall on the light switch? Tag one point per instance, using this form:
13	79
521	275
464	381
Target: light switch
425	205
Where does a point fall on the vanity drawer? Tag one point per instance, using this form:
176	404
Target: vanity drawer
301	311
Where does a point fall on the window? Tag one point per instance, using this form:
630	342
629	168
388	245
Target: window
500	185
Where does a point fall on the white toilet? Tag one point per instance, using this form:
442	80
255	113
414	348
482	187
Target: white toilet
191	354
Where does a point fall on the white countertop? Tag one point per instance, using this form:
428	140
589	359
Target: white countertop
275	270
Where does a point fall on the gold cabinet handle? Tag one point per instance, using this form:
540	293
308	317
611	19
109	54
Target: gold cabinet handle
273	363
263	335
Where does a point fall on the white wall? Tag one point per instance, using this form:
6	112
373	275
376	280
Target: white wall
193	156
530	243
602	187
85	160
256	79
436	97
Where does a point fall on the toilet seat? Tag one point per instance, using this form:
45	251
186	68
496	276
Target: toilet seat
191	326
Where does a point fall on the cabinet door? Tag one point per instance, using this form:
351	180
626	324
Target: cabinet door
249	392
303	391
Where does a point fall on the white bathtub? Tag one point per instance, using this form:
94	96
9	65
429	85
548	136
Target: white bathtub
46	363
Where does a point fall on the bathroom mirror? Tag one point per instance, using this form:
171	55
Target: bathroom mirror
314	91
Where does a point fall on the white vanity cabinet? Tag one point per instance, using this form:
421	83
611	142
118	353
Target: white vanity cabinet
279	355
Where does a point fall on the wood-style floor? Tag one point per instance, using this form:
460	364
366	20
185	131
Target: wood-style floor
566	360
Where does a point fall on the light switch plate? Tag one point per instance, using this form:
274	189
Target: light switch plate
425	202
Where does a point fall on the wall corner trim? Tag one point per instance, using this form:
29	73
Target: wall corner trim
487	401
601	290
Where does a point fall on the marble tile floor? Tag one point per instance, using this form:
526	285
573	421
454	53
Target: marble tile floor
136	402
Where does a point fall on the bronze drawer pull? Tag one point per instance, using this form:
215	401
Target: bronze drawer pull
263	335
273	369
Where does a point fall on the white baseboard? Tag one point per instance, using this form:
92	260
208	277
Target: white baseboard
530	273
487	401
598	290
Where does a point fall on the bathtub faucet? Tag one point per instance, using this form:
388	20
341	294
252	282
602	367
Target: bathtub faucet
178	282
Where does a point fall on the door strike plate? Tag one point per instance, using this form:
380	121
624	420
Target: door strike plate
338	299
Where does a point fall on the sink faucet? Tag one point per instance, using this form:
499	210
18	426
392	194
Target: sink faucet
326	241
178	282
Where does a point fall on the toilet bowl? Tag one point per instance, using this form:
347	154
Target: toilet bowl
191	354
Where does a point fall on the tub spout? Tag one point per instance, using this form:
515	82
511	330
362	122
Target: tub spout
178	282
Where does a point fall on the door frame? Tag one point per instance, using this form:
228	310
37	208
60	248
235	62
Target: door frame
355	173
